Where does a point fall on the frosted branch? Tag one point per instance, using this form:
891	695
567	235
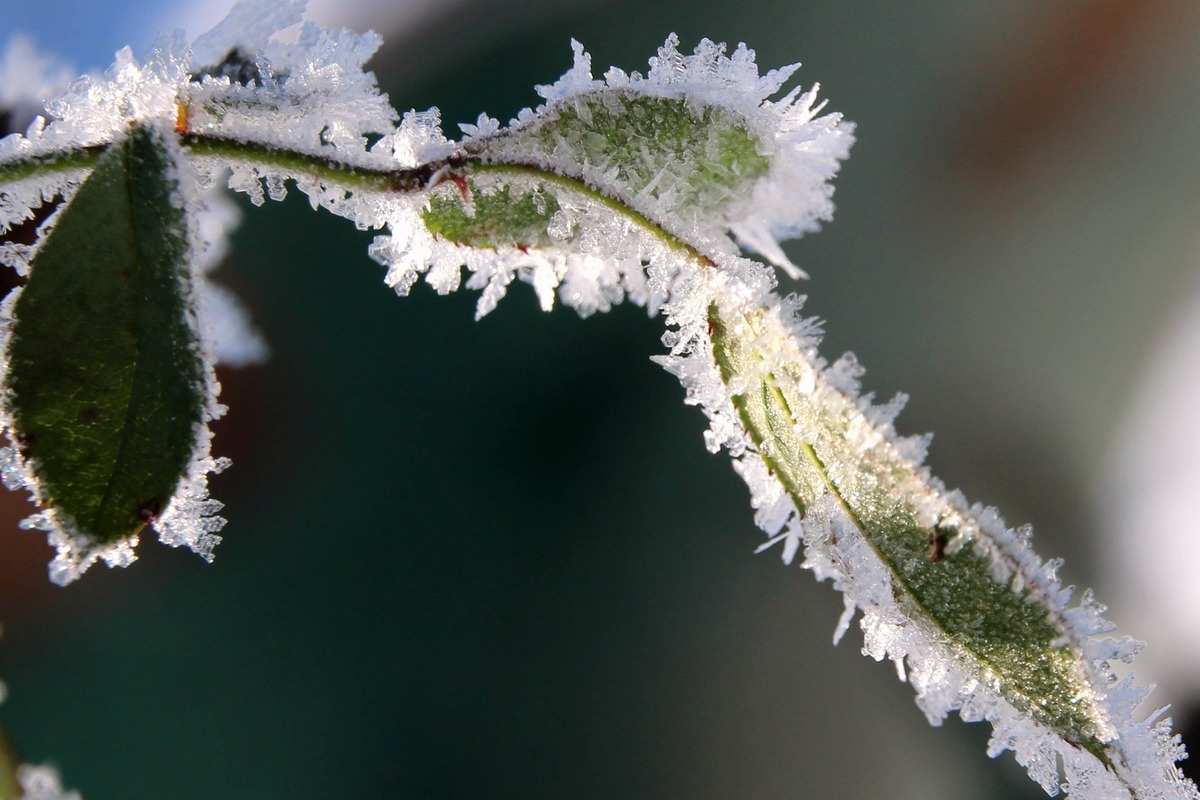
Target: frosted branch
641	188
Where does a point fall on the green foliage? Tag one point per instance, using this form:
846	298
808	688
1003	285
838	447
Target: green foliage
706	151
106	379
1006	631
491	219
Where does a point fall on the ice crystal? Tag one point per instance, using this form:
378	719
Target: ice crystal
311	96
553	239
22	200
43	783
224	323
312	93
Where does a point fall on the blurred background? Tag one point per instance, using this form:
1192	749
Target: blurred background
495	560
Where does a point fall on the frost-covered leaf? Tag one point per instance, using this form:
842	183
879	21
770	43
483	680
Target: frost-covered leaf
943	574
501	218
697	156
969	615
695	149
108	389
696	144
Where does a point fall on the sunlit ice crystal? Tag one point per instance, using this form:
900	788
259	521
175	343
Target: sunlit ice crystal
312	92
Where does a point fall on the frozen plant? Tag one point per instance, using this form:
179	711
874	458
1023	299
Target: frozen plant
644	187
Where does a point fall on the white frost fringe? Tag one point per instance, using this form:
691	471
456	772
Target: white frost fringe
804	148
834	549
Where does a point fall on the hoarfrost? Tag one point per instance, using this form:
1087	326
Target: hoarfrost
311	92
802	148
27	79
43	783
945	678
596	264
224	323
21	201
248	25
311	96
599	261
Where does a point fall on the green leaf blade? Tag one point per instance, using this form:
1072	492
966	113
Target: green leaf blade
700	154
503	217
1009	636
106	382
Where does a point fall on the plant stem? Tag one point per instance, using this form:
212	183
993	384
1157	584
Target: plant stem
325	169
21	168
609	202
370	179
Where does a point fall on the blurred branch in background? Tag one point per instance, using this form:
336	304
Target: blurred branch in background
1041	87
1151	544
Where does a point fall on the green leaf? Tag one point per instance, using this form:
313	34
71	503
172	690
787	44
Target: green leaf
1005	631
701	155
107	384
491	219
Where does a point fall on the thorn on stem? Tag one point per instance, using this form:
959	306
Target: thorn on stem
464	189
939	537
181	118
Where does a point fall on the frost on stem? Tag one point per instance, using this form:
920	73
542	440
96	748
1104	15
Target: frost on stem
637	187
